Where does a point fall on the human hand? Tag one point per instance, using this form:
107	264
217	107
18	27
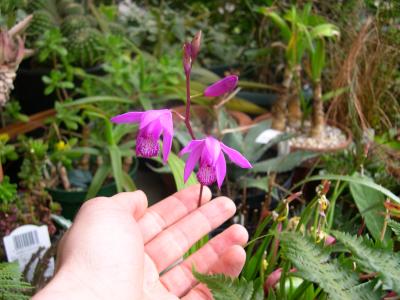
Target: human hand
117	247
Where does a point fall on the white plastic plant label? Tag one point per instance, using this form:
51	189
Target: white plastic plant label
25	241
268	135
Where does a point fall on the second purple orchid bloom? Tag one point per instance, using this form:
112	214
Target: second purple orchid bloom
152	124
209	154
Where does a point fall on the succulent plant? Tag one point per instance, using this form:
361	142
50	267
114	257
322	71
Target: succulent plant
41	22
73	9
83	40
11	53
36	5
71	24
86	46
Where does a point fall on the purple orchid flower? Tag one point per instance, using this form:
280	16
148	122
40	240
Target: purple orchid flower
153	123
222	86
209	152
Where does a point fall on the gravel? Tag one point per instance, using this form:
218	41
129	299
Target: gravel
331	138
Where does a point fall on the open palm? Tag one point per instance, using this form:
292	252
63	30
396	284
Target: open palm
117	248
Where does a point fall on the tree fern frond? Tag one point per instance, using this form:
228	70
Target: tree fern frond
313	264
11	286
223	287
385	263
395	226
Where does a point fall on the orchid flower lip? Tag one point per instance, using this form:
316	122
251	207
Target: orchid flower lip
152	124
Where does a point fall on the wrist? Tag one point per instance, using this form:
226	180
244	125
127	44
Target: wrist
65	285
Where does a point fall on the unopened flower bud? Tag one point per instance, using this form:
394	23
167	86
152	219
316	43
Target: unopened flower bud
222	86
187	58
196	42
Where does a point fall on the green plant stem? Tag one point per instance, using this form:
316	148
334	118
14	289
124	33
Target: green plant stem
187	115
200	195
316	221
196	96
385	223
339	187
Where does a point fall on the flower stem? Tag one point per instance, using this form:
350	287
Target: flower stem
187	116
196	96
200	195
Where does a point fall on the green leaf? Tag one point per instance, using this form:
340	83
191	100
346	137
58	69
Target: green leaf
318	60
279	22
11	285
223	287
370	204
128	183
96	99
245	106
282	163
177	166
116	165
313	264
386	264
335	93
365	181
83	150
325	30
98	180
395	226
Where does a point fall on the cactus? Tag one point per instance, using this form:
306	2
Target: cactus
74	23
86	46
116	29
61	5
43	5
41	22
35	5
73	9
83	39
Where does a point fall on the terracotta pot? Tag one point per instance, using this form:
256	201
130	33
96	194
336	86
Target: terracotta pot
204	114
263	117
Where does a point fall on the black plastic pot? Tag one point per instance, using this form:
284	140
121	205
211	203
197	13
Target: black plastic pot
254	202
222	68
71	201
29	87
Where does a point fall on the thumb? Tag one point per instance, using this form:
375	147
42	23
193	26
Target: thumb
134	202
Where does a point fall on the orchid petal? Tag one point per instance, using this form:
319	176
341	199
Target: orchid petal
191	163
220	169
221	87
191	146
211	151
236	157
129	117
150	116
167	123
167	145
154	129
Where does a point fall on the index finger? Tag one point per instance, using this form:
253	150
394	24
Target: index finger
170	210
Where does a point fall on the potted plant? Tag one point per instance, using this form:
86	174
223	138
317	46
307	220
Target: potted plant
96	166
65	35
304	34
